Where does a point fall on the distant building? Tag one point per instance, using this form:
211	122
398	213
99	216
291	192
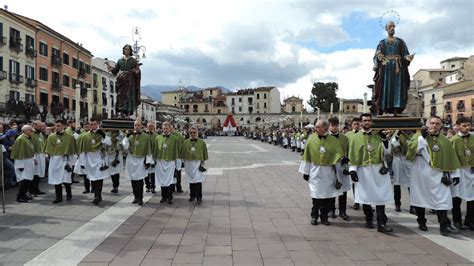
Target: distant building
293	104
260	100
458	100
147	108
352	106
103	89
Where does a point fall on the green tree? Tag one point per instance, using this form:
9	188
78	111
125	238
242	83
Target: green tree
322	95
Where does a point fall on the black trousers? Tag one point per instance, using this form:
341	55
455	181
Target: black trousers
87	183
195	190
116	180
443	219
321	208
397	195
380	211
137	188
59	190
457	213
150	181
342	200
34	187
178	180
23	187
97	188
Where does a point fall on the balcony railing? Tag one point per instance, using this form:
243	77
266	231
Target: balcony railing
15	45
56	61
3	40
56	86
15	78
30	82
3	75
31	52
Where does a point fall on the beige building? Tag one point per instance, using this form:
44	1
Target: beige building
353	106
458	100
18	79
104	95
260	100
293	104
210	100
147	109
173	97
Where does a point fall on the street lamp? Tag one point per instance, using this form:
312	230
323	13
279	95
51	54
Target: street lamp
137	48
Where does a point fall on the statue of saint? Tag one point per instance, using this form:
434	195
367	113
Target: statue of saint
392	79
128	82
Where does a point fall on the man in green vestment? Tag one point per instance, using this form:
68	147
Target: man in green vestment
24	155
150	178
39	142
355	126
179	162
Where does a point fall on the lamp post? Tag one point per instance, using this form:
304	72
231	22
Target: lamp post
137	48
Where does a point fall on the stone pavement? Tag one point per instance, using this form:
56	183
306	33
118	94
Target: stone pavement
255	212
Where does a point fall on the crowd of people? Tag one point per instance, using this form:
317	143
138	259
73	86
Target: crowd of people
436	165
62	151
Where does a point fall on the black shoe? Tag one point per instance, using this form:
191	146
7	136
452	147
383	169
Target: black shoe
114	190
22	200
140	202
96	201
356	206
469	225
28	197
383	228
344	216
135	201
191	199
412	210
325	222
314	221
398	208
153	191
448	230
86	191
57	201
199	201
332	214
179	191
69	197
459	226
162	200
169	201
369	224
423	227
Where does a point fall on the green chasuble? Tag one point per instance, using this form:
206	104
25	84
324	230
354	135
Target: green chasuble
365	149
166	148
69	131
444	159
152	140
297	136
344	141
89	142
139	145
23	148
464	149
194	150
39	142
351	133
180	139
403	139
326	151
60	144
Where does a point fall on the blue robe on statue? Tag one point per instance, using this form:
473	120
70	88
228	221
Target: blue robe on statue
392	79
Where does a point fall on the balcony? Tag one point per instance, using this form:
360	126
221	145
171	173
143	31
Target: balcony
15	78
56	61
3	75
3	41
15	45
32	83
84	92
82	73
56	86
31	52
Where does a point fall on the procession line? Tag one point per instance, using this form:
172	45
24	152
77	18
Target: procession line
461	245
76	246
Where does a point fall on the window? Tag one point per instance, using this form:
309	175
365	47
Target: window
233	110
75	63
1	30
293	109
258	105
104	83
206	108
65	59
73	105
43	74
43	49
104	98
30	43
66	103
55	78
264	96
1	61
65	81
453	66
88	69
29	98
94	80
14	70
233	101
264	105
14	95
258	96
74	83
29	72
240	108
55	99
43	98
353	107
240	99
250	110
111	86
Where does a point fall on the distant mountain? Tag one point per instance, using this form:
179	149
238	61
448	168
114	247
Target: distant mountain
154	91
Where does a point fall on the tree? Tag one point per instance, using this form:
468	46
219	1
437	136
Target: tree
322	95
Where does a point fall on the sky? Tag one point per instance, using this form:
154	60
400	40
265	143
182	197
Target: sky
250	43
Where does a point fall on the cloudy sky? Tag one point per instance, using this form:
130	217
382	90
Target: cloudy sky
247	43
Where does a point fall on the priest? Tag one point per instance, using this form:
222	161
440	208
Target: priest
434	167
463	143
138	146
369	172
179	162
319	170
115	158
166	152
61	148
194	154
400	165
93	146
39	143
150	178
23	153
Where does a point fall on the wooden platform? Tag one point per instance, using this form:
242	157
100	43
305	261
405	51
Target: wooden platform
400	123
117	124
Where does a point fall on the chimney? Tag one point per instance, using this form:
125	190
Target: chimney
5	7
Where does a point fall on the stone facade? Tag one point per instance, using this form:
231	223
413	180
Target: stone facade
293	105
